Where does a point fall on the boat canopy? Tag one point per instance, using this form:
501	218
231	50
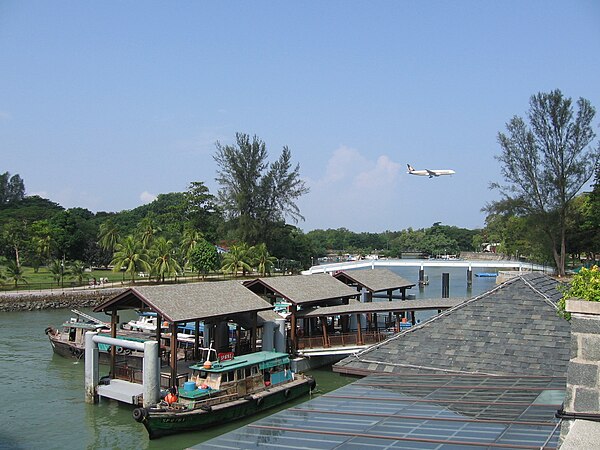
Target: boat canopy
264	360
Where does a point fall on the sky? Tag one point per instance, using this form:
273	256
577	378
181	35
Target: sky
105	105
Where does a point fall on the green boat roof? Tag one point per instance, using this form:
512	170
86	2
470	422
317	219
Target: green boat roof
264	360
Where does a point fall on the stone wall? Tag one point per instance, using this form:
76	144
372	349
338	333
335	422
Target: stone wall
24	301
583	376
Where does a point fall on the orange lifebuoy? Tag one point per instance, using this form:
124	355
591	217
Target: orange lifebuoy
171	398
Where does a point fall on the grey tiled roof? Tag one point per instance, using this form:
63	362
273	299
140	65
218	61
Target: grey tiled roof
376	280
301	289
512	329
383	306
191	301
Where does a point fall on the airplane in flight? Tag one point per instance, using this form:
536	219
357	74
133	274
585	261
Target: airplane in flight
429	172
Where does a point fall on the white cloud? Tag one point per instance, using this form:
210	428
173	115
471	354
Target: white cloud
354	192
147	197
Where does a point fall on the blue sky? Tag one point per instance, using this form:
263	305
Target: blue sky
105	105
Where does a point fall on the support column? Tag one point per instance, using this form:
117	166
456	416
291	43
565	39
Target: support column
359	337
91	367
196	339
293	331
280	336
325	335
445	285
151	373
422	276
469	276
114	322
173	328
268	337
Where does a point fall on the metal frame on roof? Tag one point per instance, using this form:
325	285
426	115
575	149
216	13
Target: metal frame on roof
441	411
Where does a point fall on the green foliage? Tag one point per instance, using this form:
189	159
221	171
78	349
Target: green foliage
12	189
131	256
239	258
164	263
77	271
585	285
254	194
204	257
15	273
546	163
262	260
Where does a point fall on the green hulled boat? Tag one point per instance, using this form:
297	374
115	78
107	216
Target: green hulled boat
226	390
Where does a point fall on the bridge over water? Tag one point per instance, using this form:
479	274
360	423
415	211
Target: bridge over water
422	263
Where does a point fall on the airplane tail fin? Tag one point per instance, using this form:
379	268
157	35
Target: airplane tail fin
410	168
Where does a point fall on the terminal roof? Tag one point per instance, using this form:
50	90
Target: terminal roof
191	301
374	280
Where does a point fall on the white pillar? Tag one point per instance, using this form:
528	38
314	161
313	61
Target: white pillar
91	367
280	335
151	373
268	336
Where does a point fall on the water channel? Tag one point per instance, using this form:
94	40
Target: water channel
42	394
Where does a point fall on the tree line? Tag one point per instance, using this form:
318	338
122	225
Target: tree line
542	214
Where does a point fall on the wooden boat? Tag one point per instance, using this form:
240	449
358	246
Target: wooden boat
226	390
70	340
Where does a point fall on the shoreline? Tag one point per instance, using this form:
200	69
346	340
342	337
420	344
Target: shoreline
35	301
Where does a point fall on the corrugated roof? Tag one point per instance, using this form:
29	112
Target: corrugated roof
301	289
376	280
355	306
191	301
512	329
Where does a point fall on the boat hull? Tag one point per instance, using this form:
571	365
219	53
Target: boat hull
72	350
160	423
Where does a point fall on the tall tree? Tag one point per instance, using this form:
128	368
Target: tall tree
108	235
263	261
255	194
237	259
164	263
12	189
147	230
204	257
546	163
132	256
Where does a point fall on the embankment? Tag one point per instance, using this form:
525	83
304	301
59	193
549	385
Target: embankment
32	301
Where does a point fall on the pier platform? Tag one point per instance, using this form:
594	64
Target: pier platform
122	391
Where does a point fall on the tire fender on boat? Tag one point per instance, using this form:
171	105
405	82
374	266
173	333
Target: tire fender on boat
312	384
287	393
206	408
140	414
49	330
259	401
120	350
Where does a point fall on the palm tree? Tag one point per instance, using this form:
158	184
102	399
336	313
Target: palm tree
262	259
238	258
58	270
132	256
15	272
189	240
146	230
108	235
77	270
164	264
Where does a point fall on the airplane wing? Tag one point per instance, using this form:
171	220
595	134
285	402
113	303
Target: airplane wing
432	173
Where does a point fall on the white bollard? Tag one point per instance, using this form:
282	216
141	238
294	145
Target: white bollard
91	367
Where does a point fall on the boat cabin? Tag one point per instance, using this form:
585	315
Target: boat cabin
239	375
